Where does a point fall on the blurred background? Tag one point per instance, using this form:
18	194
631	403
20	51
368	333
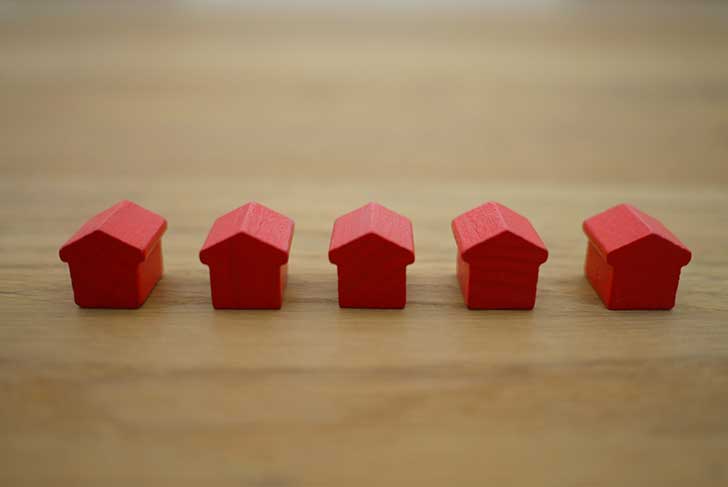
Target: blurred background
536	91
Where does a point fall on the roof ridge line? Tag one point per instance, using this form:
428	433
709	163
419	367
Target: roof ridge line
371	207
253	233
499	210
120	205
637	215
243	217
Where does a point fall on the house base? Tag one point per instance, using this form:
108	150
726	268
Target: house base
647	287
116	286
499	285
372	288
247	287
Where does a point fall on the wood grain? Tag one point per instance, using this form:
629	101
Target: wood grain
191	114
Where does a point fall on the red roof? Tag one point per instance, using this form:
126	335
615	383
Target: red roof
624	230
256	223
372	233
136	228
494	230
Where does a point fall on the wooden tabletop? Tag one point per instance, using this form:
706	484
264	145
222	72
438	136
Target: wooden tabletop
191	113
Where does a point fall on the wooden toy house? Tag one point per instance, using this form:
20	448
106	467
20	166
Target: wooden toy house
247	252
632	260
115	259
498	258
372	247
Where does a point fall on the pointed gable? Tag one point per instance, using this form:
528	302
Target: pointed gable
260	226
495	230
135	229
623	231
372	233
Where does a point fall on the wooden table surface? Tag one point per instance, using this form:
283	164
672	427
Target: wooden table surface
191	113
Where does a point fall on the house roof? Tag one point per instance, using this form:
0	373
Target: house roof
372	233
135	228
494	230
260	228
623	231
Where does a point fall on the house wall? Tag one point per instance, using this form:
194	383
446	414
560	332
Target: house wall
149	272
639	286
245	284
502	284
372	287
100	283
463	273
599	273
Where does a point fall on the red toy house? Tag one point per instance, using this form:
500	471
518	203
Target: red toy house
247	251
632	260
499	253
372	247
116	257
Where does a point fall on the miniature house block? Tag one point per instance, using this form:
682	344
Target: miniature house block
498	258
247	252
632	260
372	247
115	258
